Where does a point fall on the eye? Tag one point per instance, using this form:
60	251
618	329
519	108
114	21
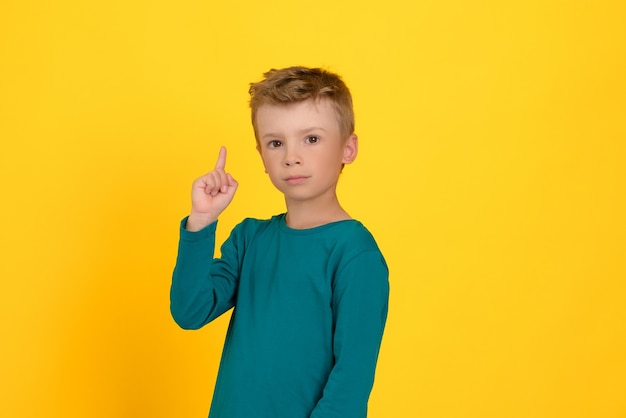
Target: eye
274	144
312	139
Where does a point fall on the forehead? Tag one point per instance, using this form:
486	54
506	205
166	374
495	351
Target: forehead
297	116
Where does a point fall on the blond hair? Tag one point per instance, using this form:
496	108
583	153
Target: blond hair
296	84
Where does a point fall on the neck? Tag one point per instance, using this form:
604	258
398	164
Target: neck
306	214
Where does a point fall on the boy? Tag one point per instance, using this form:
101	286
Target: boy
309	287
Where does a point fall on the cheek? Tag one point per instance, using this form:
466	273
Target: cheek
271	164
267	160
335	158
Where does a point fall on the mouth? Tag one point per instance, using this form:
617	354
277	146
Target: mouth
296	179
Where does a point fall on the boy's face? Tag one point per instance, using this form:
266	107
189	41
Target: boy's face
302	148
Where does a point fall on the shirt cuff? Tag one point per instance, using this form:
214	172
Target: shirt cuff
204	233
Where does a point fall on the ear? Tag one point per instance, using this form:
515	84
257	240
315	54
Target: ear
351	149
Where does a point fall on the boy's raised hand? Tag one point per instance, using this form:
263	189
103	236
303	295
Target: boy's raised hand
211	194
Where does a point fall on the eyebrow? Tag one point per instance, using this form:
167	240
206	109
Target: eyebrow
301	131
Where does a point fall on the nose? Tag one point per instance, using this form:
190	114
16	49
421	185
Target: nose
292	157
289	163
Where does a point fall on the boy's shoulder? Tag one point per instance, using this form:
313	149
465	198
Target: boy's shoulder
251	225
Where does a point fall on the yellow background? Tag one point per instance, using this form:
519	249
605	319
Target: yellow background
491	172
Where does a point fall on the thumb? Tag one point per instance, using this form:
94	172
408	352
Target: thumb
230	181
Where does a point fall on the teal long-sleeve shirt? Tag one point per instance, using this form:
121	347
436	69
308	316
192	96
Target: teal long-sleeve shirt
309	311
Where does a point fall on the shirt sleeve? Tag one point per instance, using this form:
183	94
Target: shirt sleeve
360	302
203	287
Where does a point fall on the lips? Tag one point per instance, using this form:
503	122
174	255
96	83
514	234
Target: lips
296	179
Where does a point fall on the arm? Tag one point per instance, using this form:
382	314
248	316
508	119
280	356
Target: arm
360	300
203	287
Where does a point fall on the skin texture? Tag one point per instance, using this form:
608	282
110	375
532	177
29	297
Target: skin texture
211	194
303	152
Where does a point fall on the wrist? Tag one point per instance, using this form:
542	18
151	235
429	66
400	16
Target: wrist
198	221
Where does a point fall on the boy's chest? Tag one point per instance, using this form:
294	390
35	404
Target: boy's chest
283	270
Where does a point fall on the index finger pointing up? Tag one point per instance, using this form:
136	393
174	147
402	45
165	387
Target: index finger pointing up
221	160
